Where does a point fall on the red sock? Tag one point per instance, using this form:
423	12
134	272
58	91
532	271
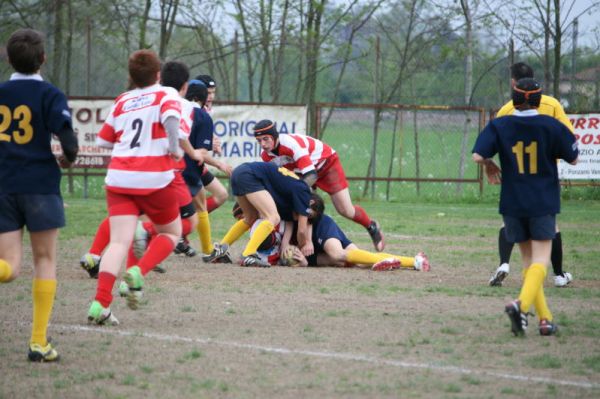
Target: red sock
101	238
211	204
361	217
186	226
106	281
158	250
149	227
131	258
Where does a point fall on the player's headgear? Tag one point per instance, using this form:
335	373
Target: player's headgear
520	70
208	81
527	90
196	91
265	127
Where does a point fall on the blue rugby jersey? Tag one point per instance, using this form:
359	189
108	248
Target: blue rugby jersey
325	228
31	110
289	192
201	136
528	145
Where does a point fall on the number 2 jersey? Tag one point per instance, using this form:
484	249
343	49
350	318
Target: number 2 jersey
31	110
134	129
528	145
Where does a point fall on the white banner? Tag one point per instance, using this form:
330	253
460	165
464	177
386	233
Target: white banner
234	127
587	131
88	117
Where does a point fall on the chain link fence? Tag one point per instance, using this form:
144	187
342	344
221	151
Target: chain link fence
410	152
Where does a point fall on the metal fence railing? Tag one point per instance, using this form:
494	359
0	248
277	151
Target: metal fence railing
412	150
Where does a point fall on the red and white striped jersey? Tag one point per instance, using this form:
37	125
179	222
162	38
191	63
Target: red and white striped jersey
185	126
299	153
140	163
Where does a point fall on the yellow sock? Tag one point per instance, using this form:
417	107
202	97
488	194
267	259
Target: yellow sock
540	304
362	257
43	292
262	231
235	232
405	261
534	280
5	271
203	230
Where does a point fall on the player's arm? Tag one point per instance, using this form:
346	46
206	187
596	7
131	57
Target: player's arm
222	166
310	178
303	236
171	125
69	144
186	146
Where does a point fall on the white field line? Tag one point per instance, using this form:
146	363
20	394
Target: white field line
352	357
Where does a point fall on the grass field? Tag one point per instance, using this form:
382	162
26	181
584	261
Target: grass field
222	331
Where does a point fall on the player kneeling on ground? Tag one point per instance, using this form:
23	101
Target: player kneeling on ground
272	194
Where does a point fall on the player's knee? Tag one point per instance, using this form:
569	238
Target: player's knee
220	197
274	219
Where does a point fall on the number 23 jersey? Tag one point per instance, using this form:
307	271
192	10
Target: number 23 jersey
134	129
30	111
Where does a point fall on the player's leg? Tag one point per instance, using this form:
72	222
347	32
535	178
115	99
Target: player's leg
43	230
504	250
12	220
11	250
264	205
561	278
216	188
333	181
43	244
90	262
203	224
343	205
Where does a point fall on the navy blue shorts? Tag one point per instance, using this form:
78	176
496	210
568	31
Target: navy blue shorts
539	228
207	177
244	181
39	212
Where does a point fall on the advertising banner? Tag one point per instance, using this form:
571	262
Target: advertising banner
233	125
587	131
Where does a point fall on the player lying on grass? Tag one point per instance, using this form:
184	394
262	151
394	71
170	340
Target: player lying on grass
272	194
32	110
528	145
318	164
333	248
174	75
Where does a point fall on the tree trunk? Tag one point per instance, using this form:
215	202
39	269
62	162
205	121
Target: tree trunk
557	49
143	25
468	87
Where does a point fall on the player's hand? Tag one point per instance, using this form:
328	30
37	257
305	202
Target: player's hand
176	156
198	156
216	145
63	162
492	171
308	249
228	169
